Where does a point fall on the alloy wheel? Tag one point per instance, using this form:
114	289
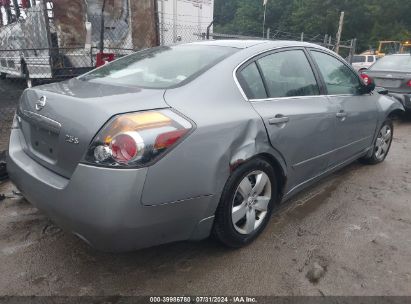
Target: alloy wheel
250	202
383	142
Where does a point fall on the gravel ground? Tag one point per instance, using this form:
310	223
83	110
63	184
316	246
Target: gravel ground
348	235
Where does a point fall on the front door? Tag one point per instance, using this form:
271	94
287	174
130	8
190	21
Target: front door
283	89
356	116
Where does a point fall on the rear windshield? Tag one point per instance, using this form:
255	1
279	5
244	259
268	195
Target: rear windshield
161	67
393	63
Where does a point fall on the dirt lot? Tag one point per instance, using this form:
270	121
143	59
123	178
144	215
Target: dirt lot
352	232
10	91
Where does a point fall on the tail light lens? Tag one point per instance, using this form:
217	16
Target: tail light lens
137	139
409	83
367	79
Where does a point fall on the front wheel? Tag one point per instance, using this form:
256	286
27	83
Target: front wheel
381	145
246	203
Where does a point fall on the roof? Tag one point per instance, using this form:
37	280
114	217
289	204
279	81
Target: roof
406	54
234	43
243	44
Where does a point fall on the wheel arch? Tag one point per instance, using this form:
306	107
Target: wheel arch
279	170
275	162
395	113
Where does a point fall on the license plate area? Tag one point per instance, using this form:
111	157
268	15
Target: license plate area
44	142
388	83
41	135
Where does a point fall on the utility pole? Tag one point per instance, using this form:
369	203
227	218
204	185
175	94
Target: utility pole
340	28
265	11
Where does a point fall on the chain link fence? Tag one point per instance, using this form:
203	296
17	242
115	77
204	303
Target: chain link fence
45	43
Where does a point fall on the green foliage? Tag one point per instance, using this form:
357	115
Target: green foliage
367	20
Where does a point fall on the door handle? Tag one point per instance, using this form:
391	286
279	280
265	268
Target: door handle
341	114
278	119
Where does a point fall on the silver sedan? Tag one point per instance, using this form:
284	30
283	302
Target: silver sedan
174	143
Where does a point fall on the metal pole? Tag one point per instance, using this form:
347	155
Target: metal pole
302	36
208	29
351	54
102	27
156	22
340	28
7	9
268	33
175	4
265	11
199	15
325	39
162	22
16	9
353	49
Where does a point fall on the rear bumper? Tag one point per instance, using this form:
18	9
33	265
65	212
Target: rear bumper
405	99
103	206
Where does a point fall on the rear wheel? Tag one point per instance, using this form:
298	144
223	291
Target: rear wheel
382	144
246	203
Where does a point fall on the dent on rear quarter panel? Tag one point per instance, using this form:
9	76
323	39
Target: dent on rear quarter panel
228	131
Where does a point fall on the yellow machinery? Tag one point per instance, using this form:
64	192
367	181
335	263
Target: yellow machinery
405	47
393	47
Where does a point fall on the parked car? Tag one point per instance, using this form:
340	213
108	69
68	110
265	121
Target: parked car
148	150
393	72
363	62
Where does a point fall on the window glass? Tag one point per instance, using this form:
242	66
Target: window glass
400	63
161	67
370	58
288	74
252	83
358	59
339	79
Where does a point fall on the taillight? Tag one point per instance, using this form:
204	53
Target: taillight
367	79
137	139
409	83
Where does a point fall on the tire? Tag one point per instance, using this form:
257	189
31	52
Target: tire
258	205
382	144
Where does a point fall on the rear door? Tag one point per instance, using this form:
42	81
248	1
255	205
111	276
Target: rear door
356	115
283	89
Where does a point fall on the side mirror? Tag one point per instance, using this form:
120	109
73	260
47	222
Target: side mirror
367	85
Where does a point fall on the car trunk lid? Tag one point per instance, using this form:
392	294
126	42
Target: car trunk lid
60	120
392	81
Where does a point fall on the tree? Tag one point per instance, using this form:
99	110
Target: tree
367	20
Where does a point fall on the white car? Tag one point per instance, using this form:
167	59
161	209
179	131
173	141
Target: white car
363	62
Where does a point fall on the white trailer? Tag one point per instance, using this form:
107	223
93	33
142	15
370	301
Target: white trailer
57	39
184	20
